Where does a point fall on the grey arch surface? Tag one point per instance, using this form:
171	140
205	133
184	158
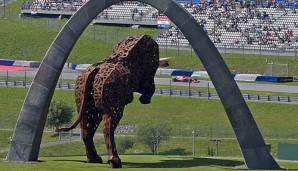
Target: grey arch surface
29	128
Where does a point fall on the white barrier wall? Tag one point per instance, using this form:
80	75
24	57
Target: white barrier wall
201	74
246	77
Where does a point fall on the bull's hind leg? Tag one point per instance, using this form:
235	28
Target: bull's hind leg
90	118
110	122
89	124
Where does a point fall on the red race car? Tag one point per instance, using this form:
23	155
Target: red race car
185	79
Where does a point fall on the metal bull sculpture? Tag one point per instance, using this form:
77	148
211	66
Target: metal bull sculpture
103	90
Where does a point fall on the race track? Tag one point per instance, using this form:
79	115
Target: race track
70	75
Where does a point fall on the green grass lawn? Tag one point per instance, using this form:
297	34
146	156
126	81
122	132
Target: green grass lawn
180	114
228	147
278	123
173	146
6	134
138	162
133	162
4	139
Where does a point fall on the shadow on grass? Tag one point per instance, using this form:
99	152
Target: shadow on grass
71	160
195	162
176	151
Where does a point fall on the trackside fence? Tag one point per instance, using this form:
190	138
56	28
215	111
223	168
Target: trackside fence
169	92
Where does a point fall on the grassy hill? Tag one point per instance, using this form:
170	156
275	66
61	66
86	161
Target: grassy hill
181	114
29	38
278	123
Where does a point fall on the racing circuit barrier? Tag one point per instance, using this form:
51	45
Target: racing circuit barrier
169	92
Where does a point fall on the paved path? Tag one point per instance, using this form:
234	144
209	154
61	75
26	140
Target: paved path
70	75
48	144
54	143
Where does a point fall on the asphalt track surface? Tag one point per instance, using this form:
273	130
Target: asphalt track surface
70	75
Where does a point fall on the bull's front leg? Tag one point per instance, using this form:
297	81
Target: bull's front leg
110	122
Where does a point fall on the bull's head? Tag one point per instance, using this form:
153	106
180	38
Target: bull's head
146	85
147	89
149	64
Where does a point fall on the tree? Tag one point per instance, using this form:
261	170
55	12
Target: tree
124	144
153	135
59	113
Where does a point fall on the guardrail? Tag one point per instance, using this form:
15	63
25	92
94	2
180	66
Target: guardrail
204	94
168	92
27	84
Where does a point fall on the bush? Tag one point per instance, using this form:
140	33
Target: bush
59	113
153	135
124	144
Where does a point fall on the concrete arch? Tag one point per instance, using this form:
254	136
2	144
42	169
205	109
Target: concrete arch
27	136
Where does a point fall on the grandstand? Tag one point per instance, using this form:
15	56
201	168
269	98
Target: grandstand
129	13
231	24
122	13
241	25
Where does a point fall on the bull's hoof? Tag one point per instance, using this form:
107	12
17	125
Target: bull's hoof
94	160
115	163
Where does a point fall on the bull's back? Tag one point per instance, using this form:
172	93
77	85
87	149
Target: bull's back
110	81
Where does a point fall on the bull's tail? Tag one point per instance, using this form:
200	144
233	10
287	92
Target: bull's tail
73	126
79	119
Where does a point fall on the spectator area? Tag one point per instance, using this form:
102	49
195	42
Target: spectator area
229	23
